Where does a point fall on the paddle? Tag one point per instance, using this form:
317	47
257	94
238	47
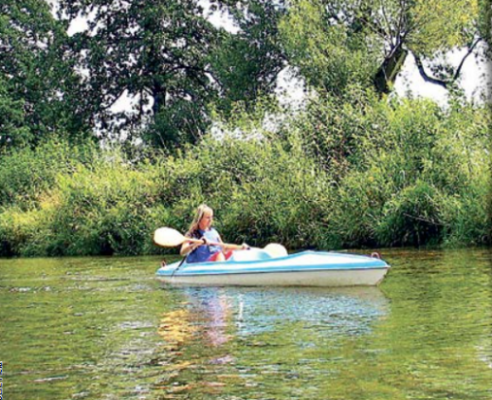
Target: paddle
168	237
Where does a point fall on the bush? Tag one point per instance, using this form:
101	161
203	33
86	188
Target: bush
374	173
26	174
412	218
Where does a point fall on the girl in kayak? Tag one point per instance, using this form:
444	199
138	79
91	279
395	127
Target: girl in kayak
201	228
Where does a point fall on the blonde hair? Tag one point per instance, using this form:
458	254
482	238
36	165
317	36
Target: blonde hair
200	211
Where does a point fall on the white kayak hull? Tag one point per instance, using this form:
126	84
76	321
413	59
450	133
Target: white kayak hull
302	269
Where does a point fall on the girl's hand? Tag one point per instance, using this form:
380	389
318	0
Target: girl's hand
194	245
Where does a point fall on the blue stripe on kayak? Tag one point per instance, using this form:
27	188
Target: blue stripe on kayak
179	274
248	267
266	270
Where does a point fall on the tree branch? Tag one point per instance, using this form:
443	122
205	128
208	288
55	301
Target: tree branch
427	78
445	83
470	50
386	19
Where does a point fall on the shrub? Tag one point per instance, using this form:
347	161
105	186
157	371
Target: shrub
26	174
374	173
412	218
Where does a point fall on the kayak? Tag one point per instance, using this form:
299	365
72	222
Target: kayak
259	268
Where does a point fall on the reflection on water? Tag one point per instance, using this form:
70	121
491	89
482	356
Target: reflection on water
104	328
266	323
255	311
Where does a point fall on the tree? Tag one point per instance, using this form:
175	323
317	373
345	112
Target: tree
14	131
327	53
246	64
369	40
38	79
150	50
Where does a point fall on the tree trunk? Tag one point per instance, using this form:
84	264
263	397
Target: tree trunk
159	95
387	73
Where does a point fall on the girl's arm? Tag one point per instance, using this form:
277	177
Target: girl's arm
226	246
188	247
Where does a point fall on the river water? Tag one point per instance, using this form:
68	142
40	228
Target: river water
104	328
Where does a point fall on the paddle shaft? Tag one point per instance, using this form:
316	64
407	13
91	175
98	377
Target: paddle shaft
219	244
180	264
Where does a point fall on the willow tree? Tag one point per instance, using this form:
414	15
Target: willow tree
334	42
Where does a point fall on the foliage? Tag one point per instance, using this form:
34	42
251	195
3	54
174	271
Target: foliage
334	43
330	57
412	218
104	212
37	76
354	167
246	64
27	174
398	165
436	25
173	68
14	131
377	173
173	62
153	51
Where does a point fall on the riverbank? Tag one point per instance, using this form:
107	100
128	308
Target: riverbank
404	173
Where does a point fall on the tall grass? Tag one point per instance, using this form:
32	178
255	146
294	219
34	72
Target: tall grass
362	172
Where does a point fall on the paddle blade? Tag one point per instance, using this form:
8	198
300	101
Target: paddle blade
167	237
276	250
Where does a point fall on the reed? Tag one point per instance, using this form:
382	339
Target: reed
363	172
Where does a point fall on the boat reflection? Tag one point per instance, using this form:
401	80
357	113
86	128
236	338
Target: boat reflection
221	333
239	311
